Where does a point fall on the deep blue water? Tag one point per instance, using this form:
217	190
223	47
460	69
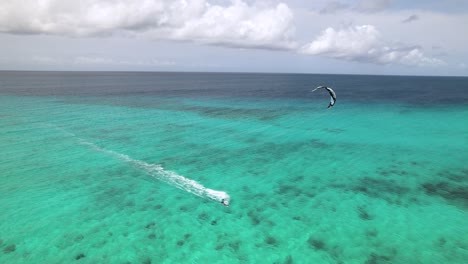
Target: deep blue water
406	89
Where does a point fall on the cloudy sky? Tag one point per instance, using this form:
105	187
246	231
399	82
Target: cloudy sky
418	37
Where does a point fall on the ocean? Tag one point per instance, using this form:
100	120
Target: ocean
127	167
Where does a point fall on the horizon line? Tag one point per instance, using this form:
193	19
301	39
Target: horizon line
230	72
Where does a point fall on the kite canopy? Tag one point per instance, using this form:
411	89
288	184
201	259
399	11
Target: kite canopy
331	92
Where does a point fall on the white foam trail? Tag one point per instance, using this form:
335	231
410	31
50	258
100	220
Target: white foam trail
169	177
158	172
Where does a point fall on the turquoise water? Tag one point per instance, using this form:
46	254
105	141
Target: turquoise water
94	179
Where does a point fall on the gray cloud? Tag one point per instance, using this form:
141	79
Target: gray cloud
333	7
410	19
364	6
372	6
87	60
236	24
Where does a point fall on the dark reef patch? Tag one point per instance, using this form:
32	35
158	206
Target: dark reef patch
378	259
146	260
285	189
363	213
10	248
387	190
316	143
150	225
270	240
371	233
234	245
130	204
203	216
288	260
393	171
180	243
441	241
80	256
183	208
233	113
455	194
317	244
373	187
219	247
334	252
255	219
455	176
298	178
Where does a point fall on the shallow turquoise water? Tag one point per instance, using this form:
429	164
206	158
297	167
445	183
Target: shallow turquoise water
360	183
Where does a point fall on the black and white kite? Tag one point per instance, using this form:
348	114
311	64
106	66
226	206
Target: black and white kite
332	94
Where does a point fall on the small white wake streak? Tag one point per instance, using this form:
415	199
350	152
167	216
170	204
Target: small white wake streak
169	177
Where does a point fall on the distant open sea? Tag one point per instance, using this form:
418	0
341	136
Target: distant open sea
117	167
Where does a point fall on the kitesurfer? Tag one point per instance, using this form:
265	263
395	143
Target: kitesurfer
332	95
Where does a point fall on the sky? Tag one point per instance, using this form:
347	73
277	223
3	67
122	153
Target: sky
389	37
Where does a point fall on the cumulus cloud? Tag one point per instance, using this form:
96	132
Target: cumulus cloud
365	44
235	24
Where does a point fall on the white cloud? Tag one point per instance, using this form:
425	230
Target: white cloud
241	25
365	44
236	24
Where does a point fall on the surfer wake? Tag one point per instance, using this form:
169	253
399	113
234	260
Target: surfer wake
159	173
169	177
